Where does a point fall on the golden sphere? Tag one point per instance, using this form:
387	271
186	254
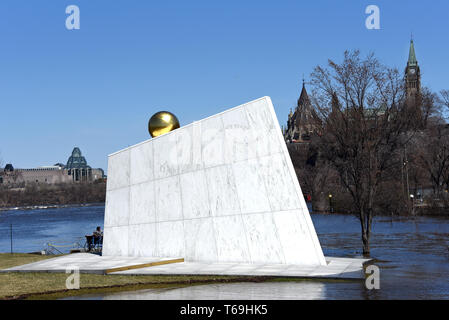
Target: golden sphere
162	122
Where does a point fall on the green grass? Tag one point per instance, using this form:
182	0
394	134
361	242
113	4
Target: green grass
8	260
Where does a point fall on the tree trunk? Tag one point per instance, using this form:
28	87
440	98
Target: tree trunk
365	240
365	222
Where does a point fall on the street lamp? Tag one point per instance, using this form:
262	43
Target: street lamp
330	203
413	203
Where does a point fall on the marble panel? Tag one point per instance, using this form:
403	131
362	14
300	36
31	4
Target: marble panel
263	241
142	240
263	127
295	239
118	164
168	199
279	184
165	155
223	198
194	195
230	235
188	145
212	141
115	241
142	203
141	162
200	240
251	189
170	239
117	208
238	137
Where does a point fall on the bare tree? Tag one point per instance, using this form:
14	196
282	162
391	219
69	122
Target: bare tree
367	123
445	98
312	174
430	110
434	155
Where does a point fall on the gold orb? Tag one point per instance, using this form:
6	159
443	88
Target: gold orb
162	122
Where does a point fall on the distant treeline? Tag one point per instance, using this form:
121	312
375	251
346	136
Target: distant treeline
58	194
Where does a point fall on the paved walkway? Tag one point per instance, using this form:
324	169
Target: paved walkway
336	268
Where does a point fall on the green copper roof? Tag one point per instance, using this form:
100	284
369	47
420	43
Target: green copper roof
411	56
76	160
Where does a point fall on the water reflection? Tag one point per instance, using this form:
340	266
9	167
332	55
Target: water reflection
231	291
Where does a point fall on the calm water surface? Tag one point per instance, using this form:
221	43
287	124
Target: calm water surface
33	229
412	255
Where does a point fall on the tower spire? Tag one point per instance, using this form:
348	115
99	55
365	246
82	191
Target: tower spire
411	55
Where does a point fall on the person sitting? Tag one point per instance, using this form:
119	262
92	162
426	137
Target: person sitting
98	233
98	236
95	239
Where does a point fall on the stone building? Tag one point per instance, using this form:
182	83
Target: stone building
76	170
304	122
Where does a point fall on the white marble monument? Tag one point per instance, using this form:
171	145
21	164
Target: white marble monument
222	189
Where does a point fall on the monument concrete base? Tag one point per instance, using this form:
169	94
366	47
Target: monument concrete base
335	268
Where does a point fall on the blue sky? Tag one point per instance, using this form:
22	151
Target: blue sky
96	87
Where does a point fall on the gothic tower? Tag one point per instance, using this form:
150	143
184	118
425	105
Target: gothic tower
412	78
304	121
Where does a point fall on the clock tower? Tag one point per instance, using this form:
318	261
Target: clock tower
412	78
